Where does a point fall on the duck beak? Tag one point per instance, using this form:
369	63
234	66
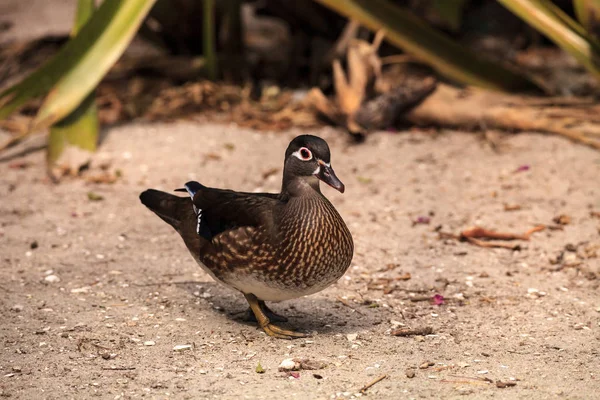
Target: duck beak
327	175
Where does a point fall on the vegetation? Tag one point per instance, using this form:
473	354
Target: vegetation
100	36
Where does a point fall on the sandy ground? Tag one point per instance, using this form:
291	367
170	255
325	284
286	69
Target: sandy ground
95	295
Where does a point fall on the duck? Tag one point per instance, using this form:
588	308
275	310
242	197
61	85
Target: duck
268	246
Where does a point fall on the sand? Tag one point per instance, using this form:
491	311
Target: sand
96	295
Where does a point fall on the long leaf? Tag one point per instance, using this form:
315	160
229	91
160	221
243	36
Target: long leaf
104	38
81	63
81	127
588	14
411	34
542	18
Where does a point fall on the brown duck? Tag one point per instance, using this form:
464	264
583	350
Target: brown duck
270	247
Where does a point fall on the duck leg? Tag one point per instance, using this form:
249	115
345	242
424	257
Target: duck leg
265	322
273	317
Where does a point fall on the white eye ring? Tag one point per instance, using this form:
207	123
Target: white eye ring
303	154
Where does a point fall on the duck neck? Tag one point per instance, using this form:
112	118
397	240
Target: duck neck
294	186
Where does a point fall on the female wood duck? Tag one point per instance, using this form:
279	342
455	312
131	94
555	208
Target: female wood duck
270	247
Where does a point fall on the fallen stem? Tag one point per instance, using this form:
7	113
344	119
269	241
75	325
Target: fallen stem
371	384
427	330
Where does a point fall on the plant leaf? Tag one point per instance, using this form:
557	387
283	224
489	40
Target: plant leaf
558	27
405	30
82	62
450	11
588	14
90	55
80	128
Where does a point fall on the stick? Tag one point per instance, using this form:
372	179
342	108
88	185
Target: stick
370	384
427	330
345	302
478	232
118	368
483	243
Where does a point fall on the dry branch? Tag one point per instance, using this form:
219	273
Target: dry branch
473	108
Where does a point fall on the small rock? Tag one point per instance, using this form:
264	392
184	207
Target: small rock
181	347
52	279
571	247
426	365
33	245
287	365
16	369
410	373
149	343
562	219
352	337
17	308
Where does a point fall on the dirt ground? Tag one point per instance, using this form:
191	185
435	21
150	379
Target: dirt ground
96	294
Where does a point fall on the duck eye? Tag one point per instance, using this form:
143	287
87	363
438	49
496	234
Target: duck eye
305	154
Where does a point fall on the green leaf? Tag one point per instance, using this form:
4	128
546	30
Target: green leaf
80	128
80	65
544	16
588	14
94	196
450	11
408	32
259	369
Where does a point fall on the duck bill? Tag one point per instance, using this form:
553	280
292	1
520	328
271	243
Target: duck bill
327	175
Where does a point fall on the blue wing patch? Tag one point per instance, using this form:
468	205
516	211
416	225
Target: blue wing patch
192	187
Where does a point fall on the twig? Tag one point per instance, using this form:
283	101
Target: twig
347	304
416	299
483	243
427	330
370	384
477	378
167	283
463	382
478	232
118	368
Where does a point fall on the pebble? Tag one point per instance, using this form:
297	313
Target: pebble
17	308
52	279
426	365
352	337
287	365
16	369
149	343
181	347
410	373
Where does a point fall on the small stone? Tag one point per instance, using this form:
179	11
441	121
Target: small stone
33	245
149	343
52	279
352	337
16	369
182	347
64	335
571	247
17	308
287	365
410	373
426	365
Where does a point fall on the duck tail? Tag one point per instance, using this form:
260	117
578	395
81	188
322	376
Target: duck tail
167	206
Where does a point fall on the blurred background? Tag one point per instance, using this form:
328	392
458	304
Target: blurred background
72	67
